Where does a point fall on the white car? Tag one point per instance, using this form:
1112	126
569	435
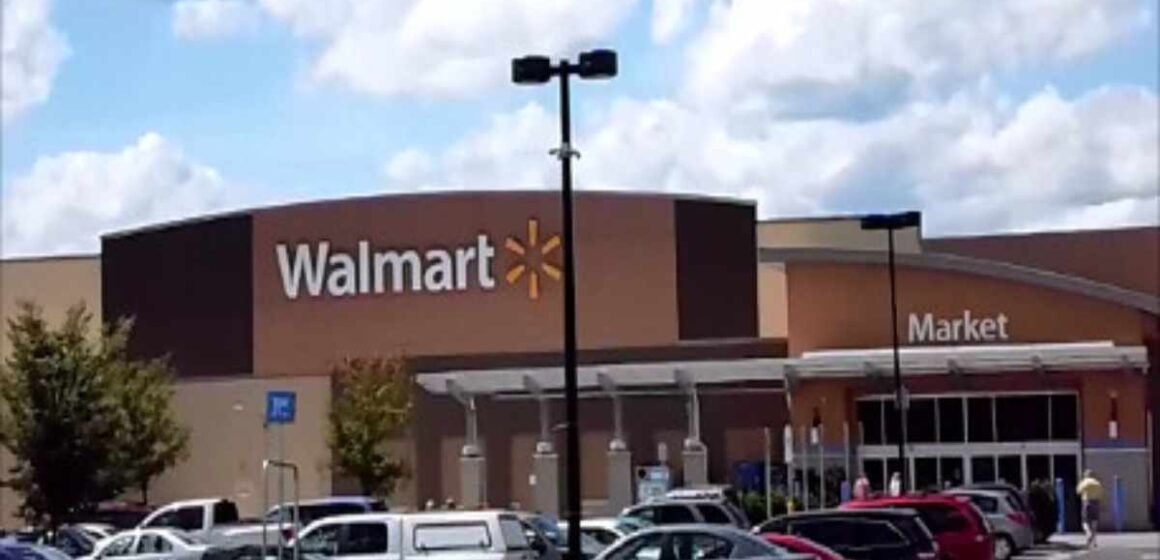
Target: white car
149	544
451	535
607	530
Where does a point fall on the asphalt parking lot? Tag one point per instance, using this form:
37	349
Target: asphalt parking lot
1126	546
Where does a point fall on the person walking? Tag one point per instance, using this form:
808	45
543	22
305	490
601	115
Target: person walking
862	487
895	485
1091	493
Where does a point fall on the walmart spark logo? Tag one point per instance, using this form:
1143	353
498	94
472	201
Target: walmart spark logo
532	259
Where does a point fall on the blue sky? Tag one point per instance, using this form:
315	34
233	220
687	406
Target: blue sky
242	105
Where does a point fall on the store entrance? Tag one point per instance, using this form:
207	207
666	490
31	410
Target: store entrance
956	439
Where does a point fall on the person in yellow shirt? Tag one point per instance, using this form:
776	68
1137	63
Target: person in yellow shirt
1091	493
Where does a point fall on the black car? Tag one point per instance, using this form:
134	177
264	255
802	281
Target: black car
868	534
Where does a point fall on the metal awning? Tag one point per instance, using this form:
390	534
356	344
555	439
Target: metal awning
971	359
637	375
938	360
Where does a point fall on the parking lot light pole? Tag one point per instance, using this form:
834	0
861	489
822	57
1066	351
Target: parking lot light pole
890	223
530	70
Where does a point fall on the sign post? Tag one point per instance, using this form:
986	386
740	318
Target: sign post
281	407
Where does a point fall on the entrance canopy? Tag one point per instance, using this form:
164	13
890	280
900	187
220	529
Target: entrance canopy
599	377
970	359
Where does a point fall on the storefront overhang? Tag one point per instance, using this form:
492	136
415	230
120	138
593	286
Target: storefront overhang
603	377
967	360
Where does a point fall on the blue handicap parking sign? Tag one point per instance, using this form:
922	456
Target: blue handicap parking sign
280	407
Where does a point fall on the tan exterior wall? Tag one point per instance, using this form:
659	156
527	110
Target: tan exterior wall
773	308
54	284
228	441
833	233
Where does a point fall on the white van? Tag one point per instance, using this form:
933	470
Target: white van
466	535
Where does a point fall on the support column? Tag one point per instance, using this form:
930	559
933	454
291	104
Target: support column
620	474
545	461
694	455
472	464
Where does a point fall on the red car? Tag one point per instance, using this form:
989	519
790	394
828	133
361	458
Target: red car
958	527
805	546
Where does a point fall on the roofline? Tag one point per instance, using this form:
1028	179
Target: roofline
947	262
43	258
251	210
826	218
1044	233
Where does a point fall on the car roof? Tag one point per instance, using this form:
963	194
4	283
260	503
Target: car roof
861	512
999	494
679	502
722	530
332	500
194	502
903	500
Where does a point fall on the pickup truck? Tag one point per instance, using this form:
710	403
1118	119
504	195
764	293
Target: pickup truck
452	535
214	520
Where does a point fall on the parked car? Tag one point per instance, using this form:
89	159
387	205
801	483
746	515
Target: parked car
150	544
213	520
695	542
1017	495
1011	528
959	528
458	535
12	550
76	540
542	535
685	511
117	514
866	534
607	530
281	517
802	545
589	546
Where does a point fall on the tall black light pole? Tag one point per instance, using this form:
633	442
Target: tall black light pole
538	70
890	223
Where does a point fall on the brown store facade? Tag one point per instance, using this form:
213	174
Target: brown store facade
700	328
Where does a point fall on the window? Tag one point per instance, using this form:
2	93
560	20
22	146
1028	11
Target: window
312	513
984	503
513	534
950	420
648	514
364	538
980	423
452	536
1022	418
875	471
647	547
846	533
674	514
322	541
602	536
1038	468
890	421
122	546
186	518
952	471
920	421
983	469
700	546
1064	417
225	512
714	514
153	544
926	474
1011	470
870	418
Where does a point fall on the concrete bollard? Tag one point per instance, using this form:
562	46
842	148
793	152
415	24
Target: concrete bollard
1060	506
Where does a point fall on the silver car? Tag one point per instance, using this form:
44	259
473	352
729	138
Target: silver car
1010	526
695	542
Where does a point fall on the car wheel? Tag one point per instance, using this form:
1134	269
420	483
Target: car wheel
1004	547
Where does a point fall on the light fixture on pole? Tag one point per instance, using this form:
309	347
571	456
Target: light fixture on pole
889	223
533	70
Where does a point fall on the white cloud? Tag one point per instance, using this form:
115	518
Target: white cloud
210	19
670	17
972	163
32	53
439	47
828	57
66	201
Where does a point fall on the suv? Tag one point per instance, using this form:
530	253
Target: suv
684	511
451	535
870	534
959	528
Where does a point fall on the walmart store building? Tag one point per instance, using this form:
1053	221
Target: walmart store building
1027	357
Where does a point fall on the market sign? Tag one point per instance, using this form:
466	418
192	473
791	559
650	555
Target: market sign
926	327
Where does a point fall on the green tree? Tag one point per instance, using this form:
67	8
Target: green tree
82	419
372	406
59	421
150	439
